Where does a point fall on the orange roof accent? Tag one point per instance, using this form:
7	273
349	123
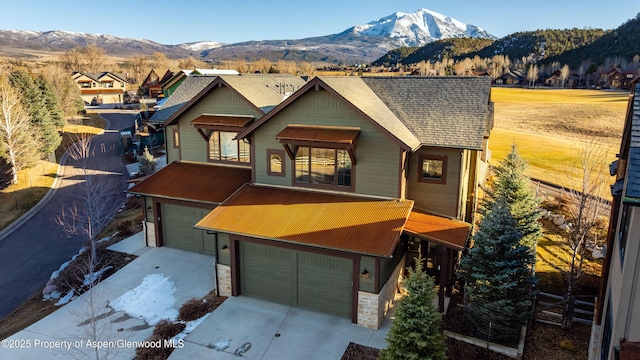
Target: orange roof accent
222	120
331	221
194	182
451	233
330	134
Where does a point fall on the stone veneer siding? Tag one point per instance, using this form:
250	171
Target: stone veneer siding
373	307
149	233
223	274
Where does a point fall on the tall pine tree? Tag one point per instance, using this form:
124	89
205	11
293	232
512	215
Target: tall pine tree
499	280
513	187
34	103
415	332
52	104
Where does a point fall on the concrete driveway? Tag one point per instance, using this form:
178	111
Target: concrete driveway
275	332
192	275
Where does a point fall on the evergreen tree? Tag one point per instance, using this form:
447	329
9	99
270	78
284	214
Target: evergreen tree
147	163
34	103
513	187
51	101
499	280
415	332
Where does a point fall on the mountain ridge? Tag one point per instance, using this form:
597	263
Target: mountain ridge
360	43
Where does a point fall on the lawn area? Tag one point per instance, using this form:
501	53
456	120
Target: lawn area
547	126
34	183
550	158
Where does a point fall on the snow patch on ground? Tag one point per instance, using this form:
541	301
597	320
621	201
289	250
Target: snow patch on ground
150	301
191	325
94	276
221	345
64	300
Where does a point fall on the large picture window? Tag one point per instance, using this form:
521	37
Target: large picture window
324	167
222	147
432	169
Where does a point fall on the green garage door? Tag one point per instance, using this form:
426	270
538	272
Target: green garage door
178	231
317	282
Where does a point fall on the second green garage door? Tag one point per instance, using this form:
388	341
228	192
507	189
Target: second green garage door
313	281
178	231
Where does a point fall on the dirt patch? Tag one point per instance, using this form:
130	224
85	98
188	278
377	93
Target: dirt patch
551	342
360	352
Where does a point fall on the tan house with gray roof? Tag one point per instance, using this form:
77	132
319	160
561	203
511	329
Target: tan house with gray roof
347	180
100	88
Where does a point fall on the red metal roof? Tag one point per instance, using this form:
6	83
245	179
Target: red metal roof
451	233
194	182
332	221
222	120
330	134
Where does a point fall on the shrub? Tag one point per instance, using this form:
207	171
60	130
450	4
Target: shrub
166	329
125	228
193	309
153	353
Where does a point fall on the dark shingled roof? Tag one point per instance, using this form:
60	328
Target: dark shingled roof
633	170
189	88
440	111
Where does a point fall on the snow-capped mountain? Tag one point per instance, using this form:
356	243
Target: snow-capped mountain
57	40
201	45
360	43
419	28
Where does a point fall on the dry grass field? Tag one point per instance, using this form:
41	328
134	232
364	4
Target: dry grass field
548	126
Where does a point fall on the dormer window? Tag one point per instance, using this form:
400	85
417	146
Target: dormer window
220	131
323	156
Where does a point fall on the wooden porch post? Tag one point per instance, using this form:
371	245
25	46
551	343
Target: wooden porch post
444	254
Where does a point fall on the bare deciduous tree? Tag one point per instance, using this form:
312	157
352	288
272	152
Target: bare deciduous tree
94	57
585	206
72	60
532	75
139	67
96	200
17	137
261	65
564	74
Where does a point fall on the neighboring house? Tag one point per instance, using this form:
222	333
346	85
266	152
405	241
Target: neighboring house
617	331
189	87
517	77
169	86
321	193
618	78
152	84
100	88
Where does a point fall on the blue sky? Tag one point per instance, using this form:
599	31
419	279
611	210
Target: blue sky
184	21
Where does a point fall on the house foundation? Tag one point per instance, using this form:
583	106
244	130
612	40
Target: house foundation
149	233
223	277
372	308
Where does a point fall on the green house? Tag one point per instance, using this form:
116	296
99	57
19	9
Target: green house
318	194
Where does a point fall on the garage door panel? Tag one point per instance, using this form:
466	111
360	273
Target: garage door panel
313	281
267	272
325	283
177	226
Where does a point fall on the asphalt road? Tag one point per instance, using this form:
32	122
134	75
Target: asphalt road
38	247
